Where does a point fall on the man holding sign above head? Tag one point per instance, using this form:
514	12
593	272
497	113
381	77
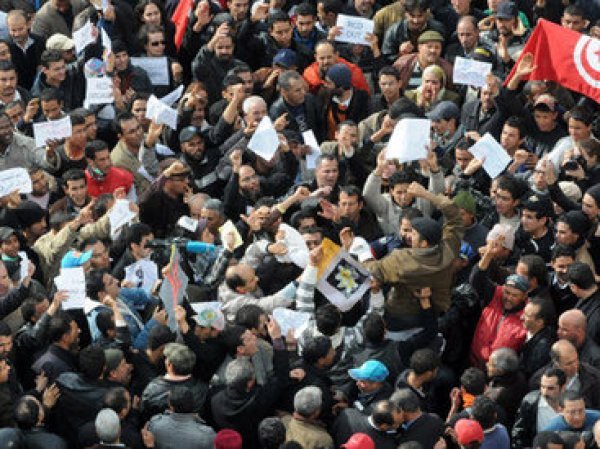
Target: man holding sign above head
428	263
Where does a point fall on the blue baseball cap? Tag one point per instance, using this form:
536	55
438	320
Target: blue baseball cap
518	282
285	58
371	370
74	259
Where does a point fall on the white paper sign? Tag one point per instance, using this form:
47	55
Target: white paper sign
72	280
23	266
106	43
264	141
297	251
470	72
163	150
84	36
354	29
142	274
228	227
52	129
494	156
172	97
409	140
119	216
315	151
199	307
159	112
291	319
156	68
14	179
99	90
187	223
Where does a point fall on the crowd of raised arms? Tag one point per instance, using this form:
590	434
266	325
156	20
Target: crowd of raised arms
300	224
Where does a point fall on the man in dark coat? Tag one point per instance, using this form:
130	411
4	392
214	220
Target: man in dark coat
242	404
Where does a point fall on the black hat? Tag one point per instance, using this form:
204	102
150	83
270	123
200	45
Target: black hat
29	213
428	228
188	133
506	10
541	206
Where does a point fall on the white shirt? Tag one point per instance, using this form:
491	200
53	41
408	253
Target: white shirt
545	414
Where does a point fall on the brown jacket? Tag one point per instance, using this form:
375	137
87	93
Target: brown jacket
408	269
406	64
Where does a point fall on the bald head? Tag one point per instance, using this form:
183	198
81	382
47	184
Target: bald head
564	356
241	278
572	326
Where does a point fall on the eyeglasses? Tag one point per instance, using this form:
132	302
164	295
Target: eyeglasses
157	43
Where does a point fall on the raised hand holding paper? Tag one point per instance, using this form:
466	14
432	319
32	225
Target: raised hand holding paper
83	37
494	156
353	29
52	129
470	72
14	179
157	69
264	141
409	140
315	151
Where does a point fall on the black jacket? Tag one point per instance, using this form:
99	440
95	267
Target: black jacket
590	353
155	396
38	438
525	427
313	116
426	430
26	62
54	362
535	353
244	410
505	106
351	421
80	401
591	308
589	378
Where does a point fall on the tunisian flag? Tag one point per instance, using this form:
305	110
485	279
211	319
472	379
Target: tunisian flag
181	17
565	56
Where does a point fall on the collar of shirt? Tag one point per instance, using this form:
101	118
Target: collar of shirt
28	44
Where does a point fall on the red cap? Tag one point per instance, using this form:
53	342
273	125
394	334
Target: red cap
228	439
468	431
359	441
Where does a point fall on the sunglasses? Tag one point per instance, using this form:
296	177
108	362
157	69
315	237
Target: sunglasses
157	43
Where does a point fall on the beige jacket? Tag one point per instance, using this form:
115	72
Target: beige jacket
51	247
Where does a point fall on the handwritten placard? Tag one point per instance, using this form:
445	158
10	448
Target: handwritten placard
156	68
160	113
99	90
84	36
14	179
354	29
52	130
471	72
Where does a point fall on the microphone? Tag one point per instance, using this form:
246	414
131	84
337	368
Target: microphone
191	246
195	247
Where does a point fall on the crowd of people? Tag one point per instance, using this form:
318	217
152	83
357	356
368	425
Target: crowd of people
190	283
